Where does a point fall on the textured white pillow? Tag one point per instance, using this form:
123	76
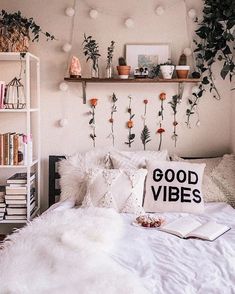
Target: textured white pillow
224	176
135	159
174	186
73	171
211	191
116	188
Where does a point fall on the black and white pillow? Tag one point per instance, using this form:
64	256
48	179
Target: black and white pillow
174	186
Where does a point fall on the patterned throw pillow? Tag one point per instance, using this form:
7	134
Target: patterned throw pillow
211	191
135	159
116	188
174	186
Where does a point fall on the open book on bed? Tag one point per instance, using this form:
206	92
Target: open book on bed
188	227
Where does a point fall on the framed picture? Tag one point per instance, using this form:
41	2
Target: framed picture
146	55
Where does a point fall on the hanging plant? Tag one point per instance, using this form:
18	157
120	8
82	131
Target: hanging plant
215	43
92	123
145	134
130	124
111	120
15	32
174	104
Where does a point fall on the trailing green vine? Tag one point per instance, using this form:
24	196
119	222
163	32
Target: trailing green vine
215	44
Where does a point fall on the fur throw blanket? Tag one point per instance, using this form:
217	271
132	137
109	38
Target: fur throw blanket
67	252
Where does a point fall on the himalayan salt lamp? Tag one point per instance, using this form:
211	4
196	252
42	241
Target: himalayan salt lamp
75	68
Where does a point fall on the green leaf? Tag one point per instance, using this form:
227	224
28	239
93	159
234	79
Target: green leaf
225	70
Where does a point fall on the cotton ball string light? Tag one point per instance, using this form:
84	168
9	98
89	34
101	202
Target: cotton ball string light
129	23
63	87
69	11
67	47
187	51
63	122
192	13
93	13
159	10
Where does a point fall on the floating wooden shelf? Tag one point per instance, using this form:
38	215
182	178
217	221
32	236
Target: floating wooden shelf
84	81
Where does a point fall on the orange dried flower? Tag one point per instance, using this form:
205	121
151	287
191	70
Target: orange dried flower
130	124
146	101
162	96
160	130
93	101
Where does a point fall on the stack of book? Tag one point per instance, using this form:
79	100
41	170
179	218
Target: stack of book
14	149
16	196
2	202
2	94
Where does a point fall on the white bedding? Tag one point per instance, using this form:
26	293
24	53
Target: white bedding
52	256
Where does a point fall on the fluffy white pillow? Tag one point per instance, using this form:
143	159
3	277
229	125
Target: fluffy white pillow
224	176
135	159
211	191
174	186
116	188
73	171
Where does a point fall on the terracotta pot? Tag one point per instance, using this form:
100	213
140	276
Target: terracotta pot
182	71
123	71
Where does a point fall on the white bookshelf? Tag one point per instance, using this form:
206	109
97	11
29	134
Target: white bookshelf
30	117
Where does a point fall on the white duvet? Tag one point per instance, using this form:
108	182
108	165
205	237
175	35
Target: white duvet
98	251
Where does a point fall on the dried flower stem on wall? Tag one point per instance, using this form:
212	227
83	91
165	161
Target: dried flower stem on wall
92	122
130	124
145	134
111	120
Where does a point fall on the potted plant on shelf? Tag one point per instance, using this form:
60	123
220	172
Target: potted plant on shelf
91	51
123	69
167	70
15	32
109	68
182	70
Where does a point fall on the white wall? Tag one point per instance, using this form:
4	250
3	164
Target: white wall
211	138
233	122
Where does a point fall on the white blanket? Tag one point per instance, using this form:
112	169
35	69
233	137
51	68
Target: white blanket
97	251
67	252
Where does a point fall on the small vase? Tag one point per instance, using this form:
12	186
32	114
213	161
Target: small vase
95	70
109	71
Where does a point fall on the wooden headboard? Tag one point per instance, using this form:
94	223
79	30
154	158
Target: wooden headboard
54	187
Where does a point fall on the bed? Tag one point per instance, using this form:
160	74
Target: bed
96	250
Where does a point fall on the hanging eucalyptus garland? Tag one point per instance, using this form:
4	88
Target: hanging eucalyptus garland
114	99
145	134
174	104
92	122
130	124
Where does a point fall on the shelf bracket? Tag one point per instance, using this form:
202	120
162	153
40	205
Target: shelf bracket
180	90
84	92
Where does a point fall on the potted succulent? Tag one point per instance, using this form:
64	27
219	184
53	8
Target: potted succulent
167	70
182	70
123	69
15	32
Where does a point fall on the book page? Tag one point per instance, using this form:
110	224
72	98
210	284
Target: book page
181	227
209	231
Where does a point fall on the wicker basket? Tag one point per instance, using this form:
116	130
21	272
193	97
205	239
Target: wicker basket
14	40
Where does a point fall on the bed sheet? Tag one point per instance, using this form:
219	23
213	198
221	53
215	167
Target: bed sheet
168	264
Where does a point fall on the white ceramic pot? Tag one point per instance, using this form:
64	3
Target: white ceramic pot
167	71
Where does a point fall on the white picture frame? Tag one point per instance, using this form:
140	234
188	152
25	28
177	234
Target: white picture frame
139	55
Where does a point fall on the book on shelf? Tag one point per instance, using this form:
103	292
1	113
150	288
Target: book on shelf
15	217
16	149
188	227
17	201
20	210
21	190
20	178
2	204
2	209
